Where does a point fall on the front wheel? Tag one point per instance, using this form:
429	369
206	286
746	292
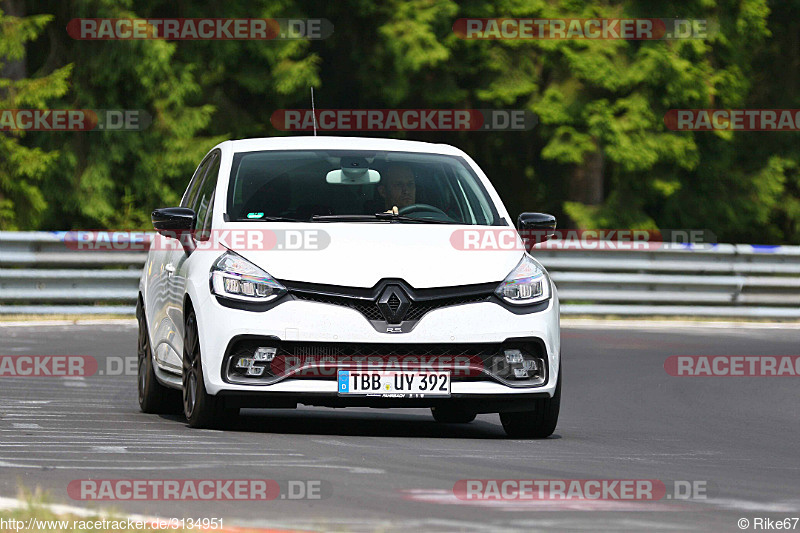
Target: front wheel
202	410
537	424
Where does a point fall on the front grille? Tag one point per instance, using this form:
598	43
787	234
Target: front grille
370	310
418	309
336	349
311	350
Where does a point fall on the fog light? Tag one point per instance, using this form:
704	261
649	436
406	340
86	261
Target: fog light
255	370
265	354
513	356
520	373
531	365
245	362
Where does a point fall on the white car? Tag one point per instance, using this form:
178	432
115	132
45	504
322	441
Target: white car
344	271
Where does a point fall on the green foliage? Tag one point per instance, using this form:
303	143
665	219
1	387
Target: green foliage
23	168
597	101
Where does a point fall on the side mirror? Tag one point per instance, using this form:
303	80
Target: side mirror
170	221
177	223
535	228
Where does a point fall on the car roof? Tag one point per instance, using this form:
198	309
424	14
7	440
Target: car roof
325	142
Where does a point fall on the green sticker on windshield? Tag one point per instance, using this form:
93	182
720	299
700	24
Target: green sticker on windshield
255	215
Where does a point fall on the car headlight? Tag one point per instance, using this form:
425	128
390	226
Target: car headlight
527	284
233	276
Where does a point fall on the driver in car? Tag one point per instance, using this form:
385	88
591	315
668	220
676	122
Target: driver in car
398	187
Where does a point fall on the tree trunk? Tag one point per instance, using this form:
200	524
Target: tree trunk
586	181
14	70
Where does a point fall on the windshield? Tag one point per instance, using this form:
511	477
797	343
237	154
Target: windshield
336	185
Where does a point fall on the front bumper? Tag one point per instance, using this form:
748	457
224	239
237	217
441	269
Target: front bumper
296	320
476	403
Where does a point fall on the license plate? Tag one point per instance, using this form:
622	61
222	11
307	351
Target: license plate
394	384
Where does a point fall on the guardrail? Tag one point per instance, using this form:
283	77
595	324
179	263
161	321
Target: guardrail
41	274
723	280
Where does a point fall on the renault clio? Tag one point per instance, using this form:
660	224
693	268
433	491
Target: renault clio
343	271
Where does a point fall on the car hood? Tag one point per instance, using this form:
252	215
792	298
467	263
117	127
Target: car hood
361	254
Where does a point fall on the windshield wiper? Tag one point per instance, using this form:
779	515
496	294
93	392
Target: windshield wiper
271	219
405	218
377	216
343	218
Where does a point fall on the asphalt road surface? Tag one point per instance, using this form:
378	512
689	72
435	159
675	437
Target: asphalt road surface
623	417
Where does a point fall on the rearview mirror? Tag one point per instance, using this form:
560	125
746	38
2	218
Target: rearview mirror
535	228
353	176
354	171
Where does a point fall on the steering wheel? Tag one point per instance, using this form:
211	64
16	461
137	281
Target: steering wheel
422	208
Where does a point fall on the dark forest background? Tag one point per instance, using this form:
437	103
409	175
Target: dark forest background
601	156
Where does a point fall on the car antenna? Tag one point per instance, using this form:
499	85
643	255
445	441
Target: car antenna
313	111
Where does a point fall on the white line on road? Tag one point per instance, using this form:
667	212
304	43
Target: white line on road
147	452
104	449
268	464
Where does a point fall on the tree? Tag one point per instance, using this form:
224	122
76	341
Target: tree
115	178
23	168
601	155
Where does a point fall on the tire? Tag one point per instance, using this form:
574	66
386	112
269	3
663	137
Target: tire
201	409
154	397
537	424
451	415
